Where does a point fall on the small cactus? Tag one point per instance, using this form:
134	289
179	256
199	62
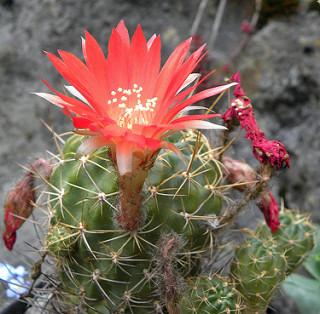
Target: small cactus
266	258
295	236
214	295
258	268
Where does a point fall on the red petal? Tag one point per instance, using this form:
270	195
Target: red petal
195	98
74	105
79	76
182	74
153	144
196	117
173	62
123	32
84	81
137	59
91	144
97	63
81	123
151	40
117	62
114	130
138	140
151	68
173	148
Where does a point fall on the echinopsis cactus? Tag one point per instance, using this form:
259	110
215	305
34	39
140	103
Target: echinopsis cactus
136	199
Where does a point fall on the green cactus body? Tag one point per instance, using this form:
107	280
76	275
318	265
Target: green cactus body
215	295
295	236
258	268
104	267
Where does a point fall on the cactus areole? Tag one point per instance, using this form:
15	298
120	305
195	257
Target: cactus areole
125	102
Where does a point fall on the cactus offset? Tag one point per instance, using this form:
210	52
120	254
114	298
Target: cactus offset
258	268
295	236
214	295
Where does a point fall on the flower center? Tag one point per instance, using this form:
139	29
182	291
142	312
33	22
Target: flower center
129	107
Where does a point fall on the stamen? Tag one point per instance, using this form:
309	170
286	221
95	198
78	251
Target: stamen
130	107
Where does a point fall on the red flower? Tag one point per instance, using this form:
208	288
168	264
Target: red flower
125	101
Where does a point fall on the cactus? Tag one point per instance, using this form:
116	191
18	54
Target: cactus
211	295
295	236
264	259
115	264
258	268
137	201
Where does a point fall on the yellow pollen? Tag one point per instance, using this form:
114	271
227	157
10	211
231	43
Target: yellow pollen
132	107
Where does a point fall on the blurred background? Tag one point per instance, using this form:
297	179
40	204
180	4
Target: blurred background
279	60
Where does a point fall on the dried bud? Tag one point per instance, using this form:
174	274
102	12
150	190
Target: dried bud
19	204
43	167
239	172
246	27
270	209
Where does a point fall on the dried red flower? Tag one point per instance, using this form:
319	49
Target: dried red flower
19	204
241	112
